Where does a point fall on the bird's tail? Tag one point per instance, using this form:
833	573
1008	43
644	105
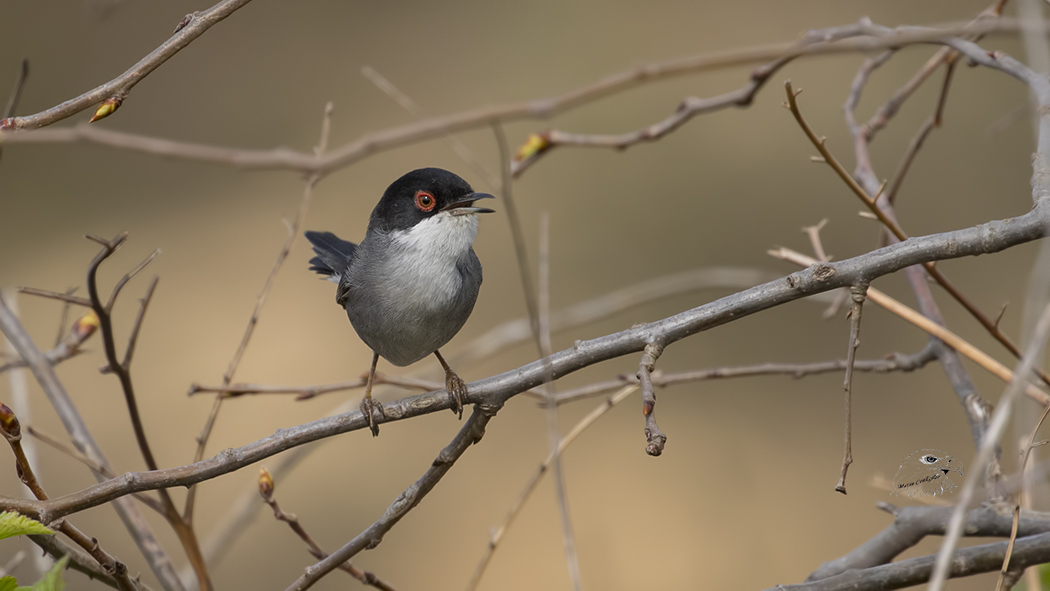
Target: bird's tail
333	254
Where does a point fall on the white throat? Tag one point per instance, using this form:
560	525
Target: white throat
427	256
443	236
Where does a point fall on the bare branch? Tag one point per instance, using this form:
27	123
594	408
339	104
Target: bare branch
1026	451
85	443
471	433
307	392
498	533
551	412
986	450
62	297
934	329
912	524
858	293
654	437
83	459
11	430
266	488
891	224
984	238
894	362
689	108
860	37
293	231
121	86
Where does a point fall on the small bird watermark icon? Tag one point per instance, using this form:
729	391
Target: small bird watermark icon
926	472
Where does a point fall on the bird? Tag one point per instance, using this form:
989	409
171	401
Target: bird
411	284
925	472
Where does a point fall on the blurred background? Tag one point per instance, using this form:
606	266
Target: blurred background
743	495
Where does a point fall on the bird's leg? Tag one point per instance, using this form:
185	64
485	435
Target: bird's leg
368	404
457	389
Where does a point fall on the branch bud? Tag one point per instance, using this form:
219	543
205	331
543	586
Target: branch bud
107	108
84	327
265	484
9	422
534	145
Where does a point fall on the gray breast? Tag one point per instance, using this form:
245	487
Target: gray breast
407	307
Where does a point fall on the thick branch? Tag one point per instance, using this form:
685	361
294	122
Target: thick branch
982	239
916	571
912	524
853	38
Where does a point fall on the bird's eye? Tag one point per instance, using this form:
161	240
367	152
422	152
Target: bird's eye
930	459
425	201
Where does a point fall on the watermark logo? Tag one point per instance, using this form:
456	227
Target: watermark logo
926	472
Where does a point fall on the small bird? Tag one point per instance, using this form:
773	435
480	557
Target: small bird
926	472
412	282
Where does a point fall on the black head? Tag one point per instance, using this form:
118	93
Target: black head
421	194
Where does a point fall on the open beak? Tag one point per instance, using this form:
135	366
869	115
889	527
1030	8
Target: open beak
465	205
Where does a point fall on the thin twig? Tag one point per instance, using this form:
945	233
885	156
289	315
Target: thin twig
500	338
689	108
266	488
128	276
308	392
858	294
54	295
956	342
1026	452
293	232
64	317
971	401
119	87
103	311
891	225
894	362
472	431
183	529
496	390
406	103
11	430
984	453
501	531
916	144
83	459
81	436
517	234
135	328
69	344
860	37
553	436
654	437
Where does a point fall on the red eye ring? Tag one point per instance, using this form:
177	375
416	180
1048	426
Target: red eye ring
425	201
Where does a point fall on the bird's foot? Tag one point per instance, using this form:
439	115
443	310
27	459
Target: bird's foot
457	392
368	406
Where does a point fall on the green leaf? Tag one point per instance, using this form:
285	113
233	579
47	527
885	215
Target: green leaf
8	584
52	581
1044	577
16	524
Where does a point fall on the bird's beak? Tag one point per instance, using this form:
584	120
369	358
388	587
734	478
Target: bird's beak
465	205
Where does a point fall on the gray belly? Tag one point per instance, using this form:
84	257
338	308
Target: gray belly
405	320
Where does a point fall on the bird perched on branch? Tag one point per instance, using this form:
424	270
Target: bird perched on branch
412	282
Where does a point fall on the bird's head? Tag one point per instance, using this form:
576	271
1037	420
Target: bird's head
424	194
